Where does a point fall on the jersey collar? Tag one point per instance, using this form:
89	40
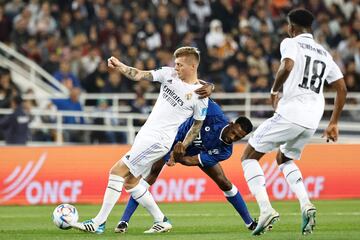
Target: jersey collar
221	135
306	35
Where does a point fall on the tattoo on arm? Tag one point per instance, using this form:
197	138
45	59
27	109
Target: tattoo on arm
136	74
193	132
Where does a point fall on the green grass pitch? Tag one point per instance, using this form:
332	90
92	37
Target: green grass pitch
195	221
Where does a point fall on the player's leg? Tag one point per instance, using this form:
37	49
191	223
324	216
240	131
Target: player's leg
231	193
267	137
289	151
132	203
117	176
255	178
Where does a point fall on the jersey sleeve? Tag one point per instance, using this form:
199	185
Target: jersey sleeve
213	156
335	73
160	74
200	109
288	49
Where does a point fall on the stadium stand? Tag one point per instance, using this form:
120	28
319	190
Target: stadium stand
238	40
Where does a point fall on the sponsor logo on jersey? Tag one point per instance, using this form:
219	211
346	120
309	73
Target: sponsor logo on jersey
170	96
188	96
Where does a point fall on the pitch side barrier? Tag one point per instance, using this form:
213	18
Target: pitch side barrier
79	174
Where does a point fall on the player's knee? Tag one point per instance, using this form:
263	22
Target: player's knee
119	169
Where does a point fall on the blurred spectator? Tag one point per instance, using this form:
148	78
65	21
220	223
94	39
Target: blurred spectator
8	89
42	23
116	83
153	38
90	61
31	50
13	7
15	127
201	9
71	104
104	109
5	26
66	77
139	105
20	33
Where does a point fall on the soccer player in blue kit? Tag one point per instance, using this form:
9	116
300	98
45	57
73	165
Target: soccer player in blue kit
213	145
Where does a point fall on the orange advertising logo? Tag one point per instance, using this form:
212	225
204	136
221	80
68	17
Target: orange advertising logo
51	175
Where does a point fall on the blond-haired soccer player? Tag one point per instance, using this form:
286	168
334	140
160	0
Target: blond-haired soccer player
305	66
176	102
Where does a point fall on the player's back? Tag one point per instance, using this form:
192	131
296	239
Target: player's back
303	101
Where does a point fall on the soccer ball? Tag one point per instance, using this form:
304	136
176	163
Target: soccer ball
64	214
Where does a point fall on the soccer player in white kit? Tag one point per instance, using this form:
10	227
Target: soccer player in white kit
176	102
305	65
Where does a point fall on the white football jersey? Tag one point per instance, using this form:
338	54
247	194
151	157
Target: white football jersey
303	100
176	102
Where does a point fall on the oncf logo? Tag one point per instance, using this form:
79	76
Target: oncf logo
22	178
277	184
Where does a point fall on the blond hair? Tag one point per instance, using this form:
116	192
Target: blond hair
188	51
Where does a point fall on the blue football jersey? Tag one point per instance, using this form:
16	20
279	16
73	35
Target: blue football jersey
208	145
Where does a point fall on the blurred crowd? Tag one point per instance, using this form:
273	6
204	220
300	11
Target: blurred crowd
238	39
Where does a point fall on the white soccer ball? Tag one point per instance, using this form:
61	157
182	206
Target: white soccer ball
64	214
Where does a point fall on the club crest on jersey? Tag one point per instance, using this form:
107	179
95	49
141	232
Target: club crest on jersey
188	96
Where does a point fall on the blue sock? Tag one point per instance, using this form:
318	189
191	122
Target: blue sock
240	206
130	209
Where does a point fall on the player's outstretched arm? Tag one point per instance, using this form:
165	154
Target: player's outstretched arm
130	72
332	131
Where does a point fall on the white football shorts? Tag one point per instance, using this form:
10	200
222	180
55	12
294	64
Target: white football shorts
143	154
278	132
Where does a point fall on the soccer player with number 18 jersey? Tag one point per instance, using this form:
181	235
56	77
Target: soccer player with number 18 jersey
305	66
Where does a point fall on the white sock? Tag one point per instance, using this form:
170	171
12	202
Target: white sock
294	178
142	195
111	196
255	179
232	192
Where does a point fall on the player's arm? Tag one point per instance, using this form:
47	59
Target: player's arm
204	158
130	72
332	131
206	90
282	74
189	160
180	147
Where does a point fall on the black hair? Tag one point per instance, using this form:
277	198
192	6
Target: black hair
245	124
301	17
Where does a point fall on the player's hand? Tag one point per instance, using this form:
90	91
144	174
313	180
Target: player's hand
113	62
179	151
171	162
274	100
331	133
204	91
